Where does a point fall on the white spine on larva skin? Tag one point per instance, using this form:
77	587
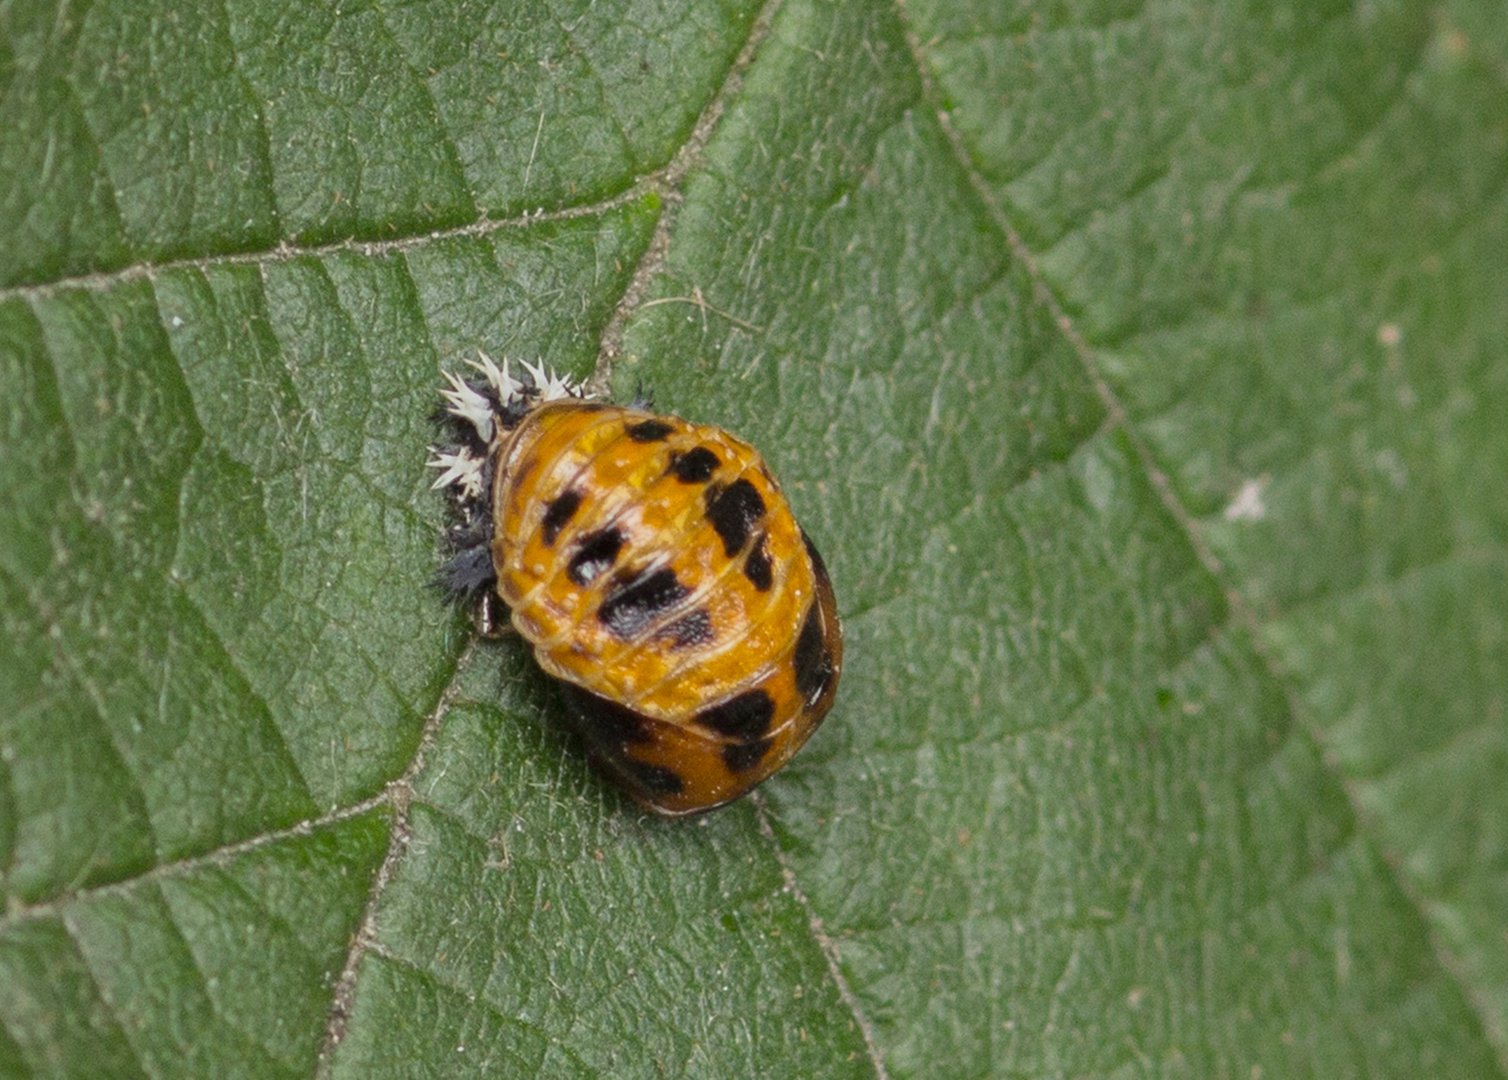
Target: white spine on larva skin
462	470
508	388
552	387
462	401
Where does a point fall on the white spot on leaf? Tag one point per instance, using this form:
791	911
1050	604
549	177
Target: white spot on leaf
1248	504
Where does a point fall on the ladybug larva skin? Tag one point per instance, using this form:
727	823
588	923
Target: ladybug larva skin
656	569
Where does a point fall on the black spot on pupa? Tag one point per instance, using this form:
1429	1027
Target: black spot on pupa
757	565
812	661
655	779
695	466
733	510
635	601
594	556
603	722
745	717
741	757
649	431
561	509
693	629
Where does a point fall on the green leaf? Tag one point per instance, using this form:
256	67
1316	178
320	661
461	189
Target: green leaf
1136	370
